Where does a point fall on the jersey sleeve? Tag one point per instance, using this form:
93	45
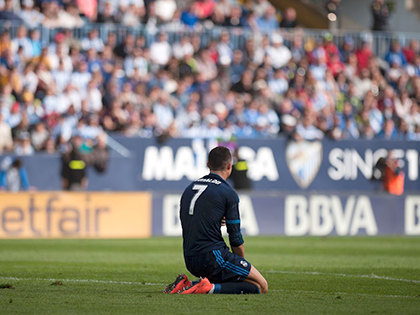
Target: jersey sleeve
233	223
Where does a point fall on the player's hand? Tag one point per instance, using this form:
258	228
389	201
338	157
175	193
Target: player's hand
223	223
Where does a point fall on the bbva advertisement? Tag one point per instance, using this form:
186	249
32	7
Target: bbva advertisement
308	214
141	215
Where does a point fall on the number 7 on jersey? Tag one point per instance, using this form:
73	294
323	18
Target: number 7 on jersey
201	189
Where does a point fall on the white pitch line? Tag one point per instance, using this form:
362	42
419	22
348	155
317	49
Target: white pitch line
316	273
344	293
161	284
80	280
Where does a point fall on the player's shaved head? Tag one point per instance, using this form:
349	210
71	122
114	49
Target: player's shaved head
219	158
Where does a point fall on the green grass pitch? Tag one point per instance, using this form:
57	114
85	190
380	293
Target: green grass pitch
306	276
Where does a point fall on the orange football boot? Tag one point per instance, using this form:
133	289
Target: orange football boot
180	284
201	287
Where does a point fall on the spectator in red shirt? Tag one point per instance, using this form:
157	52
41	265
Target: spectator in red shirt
411	51
335	65
363	54
88	8
204	8
331	49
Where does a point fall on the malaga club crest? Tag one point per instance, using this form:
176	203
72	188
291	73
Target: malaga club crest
304	160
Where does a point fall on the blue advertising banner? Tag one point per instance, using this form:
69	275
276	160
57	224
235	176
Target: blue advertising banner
275	164
308	214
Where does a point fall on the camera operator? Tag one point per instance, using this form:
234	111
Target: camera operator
389	172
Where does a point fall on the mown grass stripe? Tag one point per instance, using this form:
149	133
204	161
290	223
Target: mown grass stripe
316	273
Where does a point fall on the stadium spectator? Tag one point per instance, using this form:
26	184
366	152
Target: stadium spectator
165	9
53	14
224	49
30	15
380	14
36	45
13	175
40	136
396	55
268	22
363	54
260	7
189	17
88	8
204	8
92	41
411	51
289	19
279	54
161	51
235	18
6	141
8	12
229	88
307	131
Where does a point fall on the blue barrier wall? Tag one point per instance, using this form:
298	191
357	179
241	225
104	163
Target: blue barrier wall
308	214
44	173
273	165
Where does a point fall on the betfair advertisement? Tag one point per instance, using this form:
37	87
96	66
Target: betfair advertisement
75	215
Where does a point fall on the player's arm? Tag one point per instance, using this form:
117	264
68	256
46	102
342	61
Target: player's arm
233	224
240	250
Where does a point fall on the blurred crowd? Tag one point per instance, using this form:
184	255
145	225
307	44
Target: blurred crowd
259	15
277	84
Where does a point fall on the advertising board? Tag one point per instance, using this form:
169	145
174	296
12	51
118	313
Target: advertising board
75	214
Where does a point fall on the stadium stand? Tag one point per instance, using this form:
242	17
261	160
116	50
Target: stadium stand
201	69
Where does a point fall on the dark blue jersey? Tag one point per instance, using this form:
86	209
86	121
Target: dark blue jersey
203	205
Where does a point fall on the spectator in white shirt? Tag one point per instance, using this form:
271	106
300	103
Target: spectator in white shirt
22	40
279	54
279	83
161	51
211	129
6	142
51	102
32	18
136	61
307	130
94	98
92	41
61	77
92	130
81	78
402	104
224	48
413	118
165	9
163	111
182	48
60	55
29	78
71	97
24	146
39	136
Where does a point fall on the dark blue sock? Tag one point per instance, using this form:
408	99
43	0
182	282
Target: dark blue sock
236	288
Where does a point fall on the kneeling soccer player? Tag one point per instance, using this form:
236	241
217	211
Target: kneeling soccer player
206	204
